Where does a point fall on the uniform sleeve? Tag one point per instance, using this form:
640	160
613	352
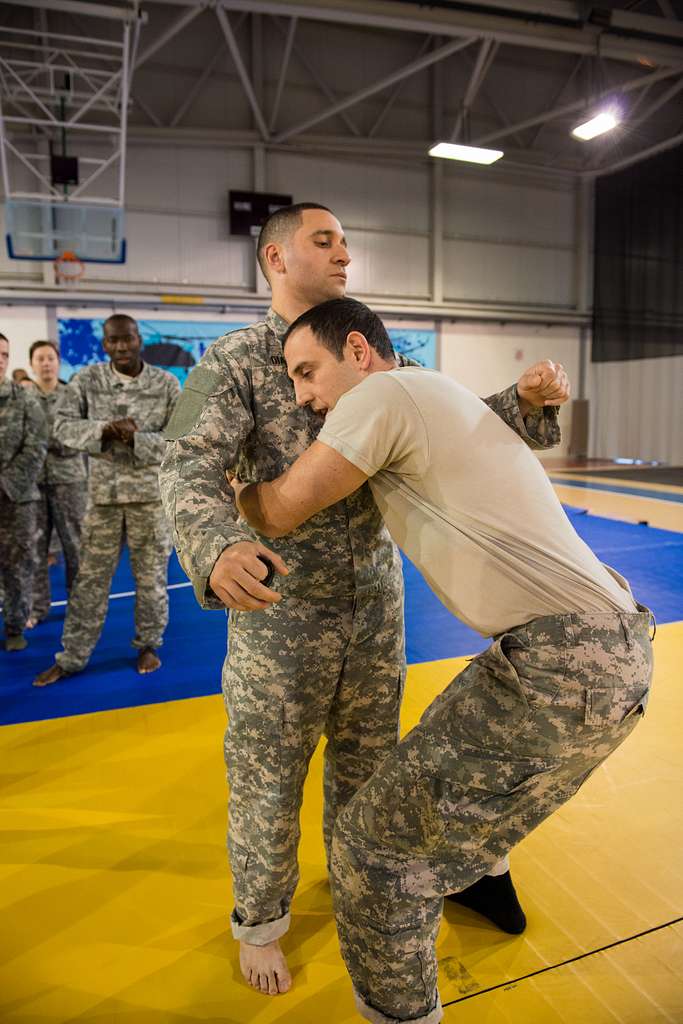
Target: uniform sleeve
149	446
20	475
540	429
72	427
209	425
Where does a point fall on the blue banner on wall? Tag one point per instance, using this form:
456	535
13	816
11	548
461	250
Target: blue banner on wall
178	345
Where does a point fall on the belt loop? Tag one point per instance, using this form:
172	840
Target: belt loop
569	631
628	636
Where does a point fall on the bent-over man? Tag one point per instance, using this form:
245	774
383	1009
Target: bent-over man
513	737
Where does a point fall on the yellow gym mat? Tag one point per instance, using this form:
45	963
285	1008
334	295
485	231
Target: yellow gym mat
114	891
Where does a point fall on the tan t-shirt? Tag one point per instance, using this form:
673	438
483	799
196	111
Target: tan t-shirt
468	502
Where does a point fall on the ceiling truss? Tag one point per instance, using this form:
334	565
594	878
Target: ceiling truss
651	46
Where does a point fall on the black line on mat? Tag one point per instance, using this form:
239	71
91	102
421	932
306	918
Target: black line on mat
572	960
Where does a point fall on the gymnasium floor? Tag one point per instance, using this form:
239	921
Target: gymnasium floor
114	886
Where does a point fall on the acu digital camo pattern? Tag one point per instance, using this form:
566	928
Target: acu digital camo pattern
17	529
298	670
23	442
94	397
143	526
63	465
310	664
508	742
60	509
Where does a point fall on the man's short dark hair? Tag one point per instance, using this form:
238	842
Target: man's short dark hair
280	226
119	318
331	322
42	344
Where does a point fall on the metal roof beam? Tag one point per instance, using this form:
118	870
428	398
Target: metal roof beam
579	37
571	108
384	83
78	7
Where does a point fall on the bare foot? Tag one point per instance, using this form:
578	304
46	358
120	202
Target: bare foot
265	968
147	661
50	675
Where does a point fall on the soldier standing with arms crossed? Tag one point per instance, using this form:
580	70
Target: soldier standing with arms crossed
327	654
23	443
116	412
63	485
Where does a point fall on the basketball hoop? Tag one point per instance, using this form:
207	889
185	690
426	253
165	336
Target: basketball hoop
69	269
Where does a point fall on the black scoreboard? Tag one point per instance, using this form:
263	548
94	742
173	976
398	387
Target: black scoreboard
249	210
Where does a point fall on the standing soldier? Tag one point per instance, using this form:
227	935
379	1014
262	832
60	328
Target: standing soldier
116	412
23	443
327	654
63	485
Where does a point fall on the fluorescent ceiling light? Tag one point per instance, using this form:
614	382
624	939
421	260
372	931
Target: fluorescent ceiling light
596	126
470	154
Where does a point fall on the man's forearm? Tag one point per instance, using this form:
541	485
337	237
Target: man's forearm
260	506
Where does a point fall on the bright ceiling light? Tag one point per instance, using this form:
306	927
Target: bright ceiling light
470	154
597	125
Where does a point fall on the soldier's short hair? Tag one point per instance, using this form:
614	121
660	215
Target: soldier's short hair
118	318
331	322
280	226
42	344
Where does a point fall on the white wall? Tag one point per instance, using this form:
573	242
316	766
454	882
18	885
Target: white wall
22	325
506	241
487	359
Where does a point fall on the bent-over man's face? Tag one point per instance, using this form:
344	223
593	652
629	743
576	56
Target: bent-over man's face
316	257
319	378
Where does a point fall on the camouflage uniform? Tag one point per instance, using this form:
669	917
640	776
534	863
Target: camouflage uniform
123	504
63	491
23	443
509	741
329	658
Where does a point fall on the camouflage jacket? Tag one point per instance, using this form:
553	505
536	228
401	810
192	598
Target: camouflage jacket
63	465
23	442
94	397
238	413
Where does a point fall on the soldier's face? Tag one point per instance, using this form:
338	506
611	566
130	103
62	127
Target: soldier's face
4	357
315	259
319	378
45	363
122	344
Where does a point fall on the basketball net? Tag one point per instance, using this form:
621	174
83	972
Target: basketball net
69	269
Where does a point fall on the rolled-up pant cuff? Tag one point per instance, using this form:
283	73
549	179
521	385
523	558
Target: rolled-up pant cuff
259	934
375	1017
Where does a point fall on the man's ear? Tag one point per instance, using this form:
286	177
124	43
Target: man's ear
360	348
273	256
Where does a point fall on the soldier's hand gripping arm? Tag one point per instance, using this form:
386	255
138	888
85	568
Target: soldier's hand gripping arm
149	446
19	475
211	421
72	426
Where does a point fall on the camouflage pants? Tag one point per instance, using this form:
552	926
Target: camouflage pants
17	530
143	525
61	507
511	739
297	671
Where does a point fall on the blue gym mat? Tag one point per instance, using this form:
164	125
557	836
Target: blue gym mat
194	648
